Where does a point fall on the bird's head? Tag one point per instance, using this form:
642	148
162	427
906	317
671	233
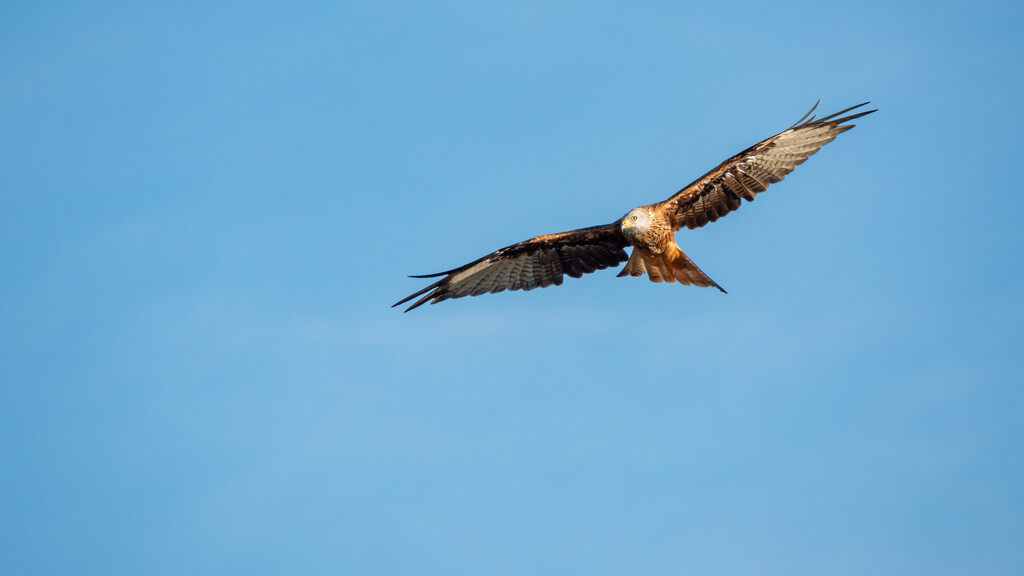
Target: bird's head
636	221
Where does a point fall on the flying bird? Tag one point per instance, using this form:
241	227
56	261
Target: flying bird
545	260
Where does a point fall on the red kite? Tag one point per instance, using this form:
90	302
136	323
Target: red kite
650	230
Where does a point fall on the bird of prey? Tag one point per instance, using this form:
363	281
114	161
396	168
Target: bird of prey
542	261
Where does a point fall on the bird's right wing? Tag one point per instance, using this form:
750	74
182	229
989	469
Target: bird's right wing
534	263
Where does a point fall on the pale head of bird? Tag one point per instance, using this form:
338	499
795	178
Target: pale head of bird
637	221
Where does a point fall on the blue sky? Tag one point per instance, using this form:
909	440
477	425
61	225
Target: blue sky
206	210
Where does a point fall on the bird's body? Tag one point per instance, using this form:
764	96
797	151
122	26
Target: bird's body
652	233
650	230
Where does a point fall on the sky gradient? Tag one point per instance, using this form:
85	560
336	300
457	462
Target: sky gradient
207	209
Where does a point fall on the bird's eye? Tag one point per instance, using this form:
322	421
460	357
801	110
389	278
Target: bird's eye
634	217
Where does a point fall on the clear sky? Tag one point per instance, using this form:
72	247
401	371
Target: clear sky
206	210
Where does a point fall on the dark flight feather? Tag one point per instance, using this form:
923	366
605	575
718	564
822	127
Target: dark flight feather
535	263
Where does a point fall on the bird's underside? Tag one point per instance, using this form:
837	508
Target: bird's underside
650	230
670	266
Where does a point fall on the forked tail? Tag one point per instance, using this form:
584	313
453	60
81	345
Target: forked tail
671	266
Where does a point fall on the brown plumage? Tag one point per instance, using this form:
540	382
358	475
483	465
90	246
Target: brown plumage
544	260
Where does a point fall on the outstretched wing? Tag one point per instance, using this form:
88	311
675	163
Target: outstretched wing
535	263
749	173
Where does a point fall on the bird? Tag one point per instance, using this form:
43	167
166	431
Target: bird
650	230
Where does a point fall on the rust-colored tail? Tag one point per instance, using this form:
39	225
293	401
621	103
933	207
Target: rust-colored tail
670	266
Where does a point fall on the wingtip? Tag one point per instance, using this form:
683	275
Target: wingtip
428	275
830	117
403	302
417	304
813	108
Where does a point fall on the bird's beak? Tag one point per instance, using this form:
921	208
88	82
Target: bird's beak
627	223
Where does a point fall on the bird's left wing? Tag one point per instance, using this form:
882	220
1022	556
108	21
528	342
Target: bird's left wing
534	263
749	173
